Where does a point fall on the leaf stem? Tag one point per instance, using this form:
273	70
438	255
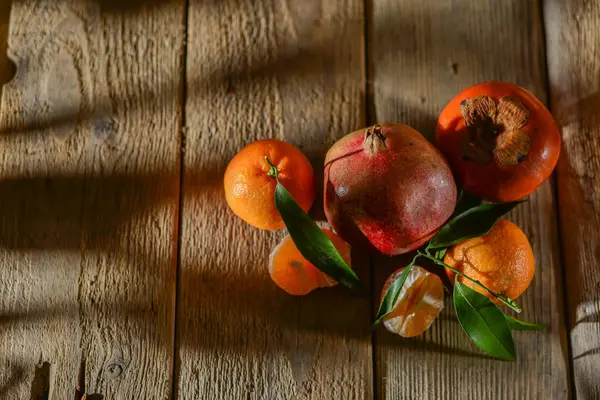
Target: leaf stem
273	172
509	302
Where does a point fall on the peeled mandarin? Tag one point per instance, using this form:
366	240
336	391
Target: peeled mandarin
420	302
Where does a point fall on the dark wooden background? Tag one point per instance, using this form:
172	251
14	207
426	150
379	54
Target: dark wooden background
117	121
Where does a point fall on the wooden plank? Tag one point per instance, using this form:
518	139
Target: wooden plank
421	54
572	38
89	199
289	70
7	67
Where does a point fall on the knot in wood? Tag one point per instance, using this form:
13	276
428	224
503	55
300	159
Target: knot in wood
103	127
114	370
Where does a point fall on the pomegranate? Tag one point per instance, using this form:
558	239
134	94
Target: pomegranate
387	188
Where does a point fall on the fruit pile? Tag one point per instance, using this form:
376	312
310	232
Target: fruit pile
388	190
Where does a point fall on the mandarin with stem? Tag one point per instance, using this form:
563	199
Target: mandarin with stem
502	260
249	190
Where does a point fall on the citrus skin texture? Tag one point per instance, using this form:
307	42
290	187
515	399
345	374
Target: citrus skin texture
249	191
502	260
387	189
505	148
420	302
297	276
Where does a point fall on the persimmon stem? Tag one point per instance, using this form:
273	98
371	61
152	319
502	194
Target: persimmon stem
508	301
494	130
273	172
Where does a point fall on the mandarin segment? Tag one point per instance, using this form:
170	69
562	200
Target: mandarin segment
296	275
249	191
502	260
420	302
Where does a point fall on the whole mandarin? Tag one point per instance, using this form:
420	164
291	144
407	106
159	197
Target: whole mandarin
502	260
249	191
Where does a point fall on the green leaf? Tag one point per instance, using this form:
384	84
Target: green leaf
439	254
313	244
466	201
391	296
474	222
518	325
483	322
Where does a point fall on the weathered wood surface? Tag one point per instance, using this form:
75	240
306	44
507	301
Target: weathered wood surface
7	68
90	155
90	145
421	54
291	70
573	40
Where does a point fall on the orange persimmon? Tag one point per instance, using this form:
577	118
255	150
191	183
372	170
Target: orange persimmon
500	140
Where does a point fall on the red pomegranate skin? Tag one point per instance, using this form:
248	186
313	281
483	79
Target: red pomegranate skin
387	188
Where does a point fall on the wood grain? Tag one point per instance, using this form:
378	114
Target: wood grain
290	70
90	151
7	67
573	34
421	53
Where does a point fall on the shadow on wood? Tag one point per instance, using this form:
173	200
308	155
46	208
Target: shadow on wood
7	66
16	375
587	353
228	305
71	212
302	62
40	387
388	341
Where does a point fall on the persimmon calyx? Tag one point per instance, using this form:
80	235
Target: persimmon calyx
374	140
494	130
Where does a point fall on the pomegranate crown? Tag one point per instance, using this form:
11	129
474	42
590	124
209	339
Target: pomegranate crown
374	141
